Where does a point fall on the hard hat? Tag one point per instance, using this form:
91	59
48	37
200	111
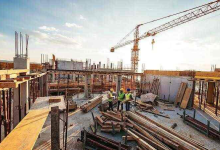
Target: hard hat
128	89
112	90
121	89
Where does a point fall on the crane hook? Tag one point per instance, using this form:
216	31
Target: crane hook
152	43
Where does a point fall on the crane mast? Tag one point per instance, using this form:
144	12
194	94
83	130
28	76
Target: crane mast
135	50
201	11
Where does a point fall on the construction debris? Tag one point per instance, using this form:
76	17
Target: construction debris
149	97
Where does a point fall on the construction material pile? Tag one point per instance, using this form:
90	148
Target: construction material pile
91	104
152	135
147	133
112	121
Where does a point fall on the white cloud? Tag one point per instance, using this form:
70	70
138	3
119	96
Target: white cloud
82	18
40	35
69	25
45	28
1	35
54	38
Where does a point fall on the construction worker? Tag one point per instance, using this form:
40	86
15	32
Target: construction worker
128	98
121	97
110	99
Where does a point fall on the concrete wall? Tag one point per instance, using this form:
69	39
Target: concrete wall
169	85
69	65
21	63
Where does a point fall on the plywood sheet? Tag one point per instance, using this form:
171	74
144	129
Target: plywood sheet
186	98
24	136
180	93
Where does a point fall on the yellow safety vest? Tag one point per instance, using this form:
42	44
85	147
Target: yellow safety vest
121	96
127	96
110	97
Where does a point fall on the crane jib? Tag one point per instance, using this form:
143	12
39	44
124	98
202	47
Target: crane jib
202	11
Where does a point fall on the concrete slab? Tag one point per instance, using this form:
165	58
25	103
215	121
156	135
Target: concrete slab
43	103
79	120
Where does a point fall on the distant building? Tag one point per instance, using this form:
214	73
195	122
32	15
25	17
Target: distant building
69	65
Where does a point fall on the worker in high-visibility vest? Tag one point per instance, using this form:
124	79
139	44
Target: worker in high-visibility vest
121	97
128	98
110	99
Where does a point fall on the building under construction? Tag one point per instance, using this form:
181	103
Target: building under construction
65	104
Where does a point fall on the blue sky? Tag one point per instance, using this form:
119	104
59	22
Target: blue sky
88	29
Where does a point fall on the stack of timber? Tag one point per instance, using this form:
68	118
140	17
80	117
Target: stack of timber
152	135
93	141
112	121
91	104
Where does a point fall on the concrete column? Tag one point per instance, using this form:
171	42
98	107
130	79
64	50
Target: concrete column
41	84
20	95
87	87
118	83
74	77
55	128
46	84
24	99
16	107
210	96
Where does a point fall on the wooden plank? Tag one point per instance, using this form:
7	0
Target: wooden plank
54	99
186	98
180	93
24	136
14	71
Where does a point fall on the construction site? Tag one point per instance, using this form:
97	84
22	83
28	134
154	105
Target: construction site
71	104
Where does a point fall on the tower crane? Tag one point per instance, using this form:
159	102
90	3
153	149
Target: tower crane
193	14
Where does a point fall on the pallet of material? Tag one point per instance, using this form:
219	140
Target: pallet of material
91	104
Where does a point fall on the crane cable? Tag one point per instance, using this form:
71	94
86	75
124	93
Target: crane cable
162	19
